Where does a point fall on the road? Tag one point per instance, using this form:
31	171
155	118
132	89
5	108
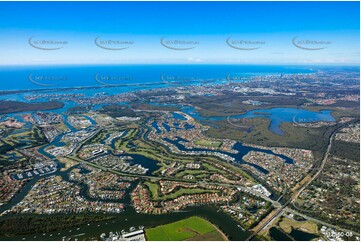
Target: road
147	177
280	210
141	176
320	221
295	195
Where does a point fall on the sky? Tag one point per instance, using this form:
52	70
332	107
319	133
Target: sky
58	33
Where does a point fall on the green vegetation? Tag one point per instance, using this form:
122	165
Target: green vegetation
255	131
290	229
193	228
231	103
338	185
185	191
134	143
155	192
213	169
346	150
210	143
22	138
337	113
147	106
153	188
78	109
294	137
287	225
99	137
117	111
15	107
191	172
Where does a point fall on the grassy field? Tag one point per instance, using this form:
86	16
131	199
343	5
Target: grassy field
193	228
67	163
154	190
185	191
288	224
190	172
210	143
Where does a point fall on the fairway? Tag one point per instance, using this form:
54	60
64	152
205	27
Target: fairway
193	228
210	143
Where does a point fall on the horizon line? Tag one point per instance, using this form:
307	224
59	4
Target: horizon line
177	63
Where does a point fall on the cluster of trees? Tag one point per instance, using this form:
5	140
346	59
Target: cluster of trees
346	150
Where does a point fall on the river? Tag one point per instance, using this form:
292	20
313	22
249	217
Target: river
125	220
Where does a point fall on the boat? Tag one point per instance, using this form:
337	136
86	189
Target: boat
239	226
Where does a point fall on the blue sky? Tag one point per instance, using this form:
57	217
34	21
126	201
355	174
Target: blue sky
322	32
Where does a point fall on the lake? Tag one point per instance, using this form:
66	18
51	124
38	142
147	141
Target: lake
276	115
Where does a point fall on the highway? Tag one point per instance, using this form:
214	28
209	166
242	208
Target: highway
281	210
320	221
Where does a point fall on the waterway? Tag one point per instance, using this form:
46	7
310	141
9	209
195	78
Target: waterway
277	116
132	77
239	147
130	218
278	235
125	220
295	234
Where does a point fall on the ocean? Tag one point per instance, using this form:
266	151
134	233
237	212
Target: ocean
131	76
